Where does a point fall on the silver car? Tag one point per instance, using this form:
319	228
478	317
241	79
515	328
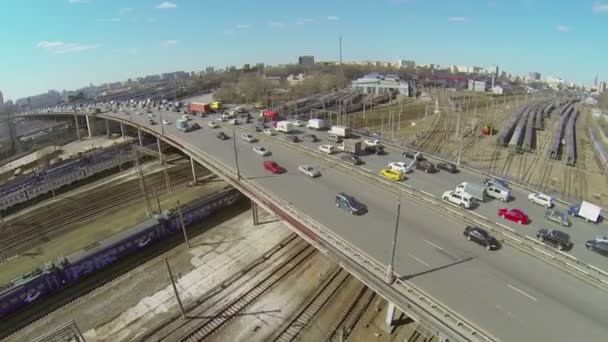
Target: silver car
262	151
557	217
310	171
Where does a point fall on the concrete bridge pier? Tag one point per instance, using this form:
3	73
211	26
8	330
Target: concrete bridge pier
90	124
122	131
192	164
107	128
390	318
255	213
160	152
140	137
77	124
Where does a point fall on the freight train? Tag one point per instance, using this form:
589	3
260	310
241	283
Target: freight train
29	187
69	270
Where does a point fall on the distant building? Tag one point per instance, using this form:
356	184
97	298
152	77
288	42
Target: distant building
294	80
601	88
500	90
259	66
377	84
306	60
273	80
402	63
51	98
477	86
209	70
4	127
232	68
533	77
246	67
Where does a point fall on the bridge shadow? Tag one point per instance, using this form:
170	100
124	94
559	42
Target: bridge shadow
411	276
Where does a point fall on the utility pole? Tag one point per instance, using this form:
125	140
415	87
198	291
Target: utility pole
236	156
459	138
181	221
160	210
77	124
426	118
179	301
390	274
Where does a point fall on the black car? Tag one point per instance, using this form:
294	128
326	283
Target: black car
151	122
194	127
412	155
554	237
350	204
426	166
222	136
598	245
352	159
496	181
335	138
310	137
259	128
482	237
451	168
292	138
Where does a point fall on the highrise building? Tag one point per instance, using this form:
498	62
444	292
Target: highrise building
306	60
595	81
533	77
5	129
601	88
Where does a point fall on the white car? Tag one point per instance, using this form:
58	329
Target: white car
186	116
213	124
401	166
151	115
233	122
329	149
248	138
262	151
297	123
541	199
374	142
458	198
166	122
310	171
269	131
140	113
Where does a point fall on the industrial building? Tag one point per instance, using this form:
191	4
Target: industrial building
306	60
533	77
601	88
478	86
377	84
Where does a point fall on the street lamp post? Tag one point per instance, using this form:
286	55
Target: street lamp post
236	156
162	127
390	274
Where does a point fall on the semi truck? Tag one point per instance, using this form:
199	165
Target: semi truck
317	124
199	108
270	115
340	131
476	191
285	126
350	146
586	210
216	105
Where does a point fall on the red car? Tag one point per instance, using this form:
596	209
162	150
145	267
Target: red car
514	215
273	167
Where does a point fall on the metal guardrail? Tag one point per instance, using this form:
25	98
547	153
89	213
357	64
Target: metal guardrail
585	271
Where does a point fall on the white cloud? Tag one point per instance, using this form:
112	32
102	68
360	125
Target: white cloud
166	5
59	47
333	18
458	19
302	21
599	7
563	28
125	10
242	26
170	42
277	24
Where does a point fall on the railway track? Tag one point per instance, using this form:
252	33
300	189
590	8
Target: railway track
26	233
290	331
282	258
353	312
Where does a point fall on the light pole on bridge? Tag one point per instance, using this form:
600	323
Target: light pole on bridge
390	274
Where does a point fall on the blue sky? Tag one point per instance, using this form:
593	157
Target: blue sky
65	44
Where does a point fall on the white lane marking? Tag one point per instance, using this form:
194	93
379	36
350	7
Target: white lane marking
420	261
480	216
428	194
432	244
505	227
522	292
366	169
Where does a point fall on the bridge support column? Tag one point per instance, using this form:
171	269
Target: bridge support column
122	131
77	126
140	137
193	165
90	122
107	128
390	318
255	213
160	152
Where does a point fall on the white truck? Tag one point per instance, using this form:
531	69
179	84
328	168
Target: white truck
586	210
340	131
317	124
182	125
285	126
476	191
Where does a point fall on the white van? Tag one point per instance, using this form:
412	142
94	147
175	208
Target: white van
498	193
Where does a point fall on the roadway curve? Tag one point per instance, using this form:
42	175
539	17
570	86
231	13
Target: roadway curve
507	293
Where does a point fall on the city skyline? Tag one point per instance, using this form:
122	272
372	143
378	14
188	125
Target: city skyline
117	40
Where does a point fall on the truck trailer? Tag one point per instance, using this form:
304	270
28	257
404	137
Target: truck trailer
586	210
199	108
477	191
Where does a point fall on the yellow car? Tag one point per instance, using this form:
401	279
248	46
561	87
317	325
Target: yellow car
395	175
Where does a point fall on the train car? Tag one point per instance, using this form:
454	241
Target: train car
29	289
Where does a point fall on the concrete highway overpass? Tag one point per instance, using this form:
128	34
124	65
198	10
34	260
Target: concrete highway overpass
524	292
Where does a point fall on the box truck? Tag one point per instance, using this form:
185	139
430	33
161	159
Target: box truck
182	125
476	191
586	210
350	146
340	131
285	126
317	124
199	108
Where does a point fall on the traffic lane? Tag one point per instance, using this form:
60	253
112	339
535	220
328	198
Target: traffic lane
438	251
